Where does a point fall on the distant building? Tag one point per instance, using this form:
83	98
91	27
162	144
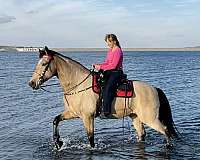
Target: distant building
2	50
28	49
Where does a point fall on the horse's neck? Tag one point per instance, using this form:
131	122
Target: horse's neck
69	72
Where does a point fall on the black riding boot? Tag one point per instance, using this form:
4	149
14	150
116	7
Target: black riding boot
113	78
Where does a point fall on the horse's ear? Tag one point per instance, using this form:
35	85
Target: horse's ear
46	49
41	53
46	52
40	50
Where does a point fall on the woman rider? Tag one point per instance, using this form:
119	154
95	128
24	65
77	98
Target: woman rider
112	67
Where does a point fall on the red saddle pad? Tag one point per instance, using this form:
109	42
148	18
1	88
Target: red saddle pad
125	89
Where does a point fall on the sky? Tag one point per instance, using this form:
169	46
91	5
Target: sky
84	23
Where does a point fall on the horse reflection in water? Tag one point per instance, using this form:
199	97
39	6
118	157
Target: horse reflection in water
149	105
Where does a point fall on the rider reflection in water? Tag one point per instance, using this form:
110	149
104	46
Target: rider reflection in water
112	67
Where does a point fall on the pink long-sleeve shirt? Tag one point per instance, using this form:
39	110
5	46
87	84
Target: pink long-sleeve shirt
113	60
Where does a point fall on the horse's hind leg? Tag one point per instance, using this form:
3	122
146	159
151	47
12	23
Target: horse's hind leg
139	127
158	126
56	136
88	122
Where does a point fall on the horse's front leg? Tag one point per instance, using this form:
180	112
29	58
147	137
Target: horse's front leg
89	126
56	136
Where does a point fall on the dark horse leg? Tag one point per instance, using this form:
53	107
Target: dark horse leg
139	127
56	136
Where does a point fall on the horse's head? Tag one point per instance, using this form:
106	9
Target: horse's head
44	70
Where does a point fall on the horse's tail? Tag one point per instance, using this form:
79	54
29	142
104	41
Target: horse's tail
165	115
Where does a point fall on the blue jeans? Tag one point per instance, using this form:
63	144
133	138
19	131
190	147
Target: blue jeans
112	80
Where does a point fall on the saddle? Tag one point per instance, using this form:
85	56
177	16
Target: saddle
124	88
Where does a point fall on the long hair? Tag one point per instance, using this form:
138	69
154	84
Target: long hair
112	37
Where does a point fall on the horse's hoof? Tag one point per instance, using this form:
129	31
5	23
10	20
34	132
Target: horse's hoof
140	139
58	144
92	145
169	146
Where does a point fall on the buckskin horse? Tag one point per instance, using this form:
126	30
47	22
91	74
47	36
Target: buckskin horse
149	105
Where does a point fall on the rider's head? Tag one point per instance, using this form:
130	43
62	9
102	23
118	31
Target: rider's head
111	40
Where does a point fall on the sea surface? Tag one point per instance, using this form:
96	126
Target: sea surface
26	116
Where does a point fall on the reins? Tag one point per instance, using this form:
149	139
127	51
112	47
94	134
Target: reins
78	91
72	88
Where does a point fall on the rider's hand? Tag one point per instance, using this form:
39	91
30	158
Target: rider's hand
97	66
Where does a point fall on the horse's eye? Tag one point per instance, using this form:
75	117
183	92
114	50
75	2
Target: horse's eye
44	64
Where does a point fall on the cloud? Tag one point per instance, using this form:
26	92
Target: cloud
83	23
184	3
6	19
31	12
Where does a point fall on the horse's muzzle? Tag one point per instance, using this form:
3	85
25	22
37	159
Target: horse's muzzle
33	84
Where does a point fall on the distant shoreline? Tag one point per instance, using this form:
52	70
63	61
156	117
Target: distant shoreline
124	49
35	49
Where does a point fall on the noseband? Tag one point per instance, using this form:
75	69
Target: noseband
41	78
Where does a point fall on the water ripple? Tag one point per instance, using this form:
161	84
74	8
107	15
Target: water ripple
26	116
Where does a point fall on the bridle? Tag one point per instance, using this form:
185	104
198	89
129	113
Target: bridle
68	92
41	78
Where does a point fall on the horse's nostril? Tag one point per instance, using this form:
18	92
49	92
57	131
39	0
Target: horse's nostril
31	83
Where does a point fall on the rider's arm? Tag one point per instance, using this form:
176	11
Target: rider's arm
112	60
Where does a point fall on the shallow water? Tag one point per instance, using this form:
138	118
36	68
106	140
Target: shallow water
26	116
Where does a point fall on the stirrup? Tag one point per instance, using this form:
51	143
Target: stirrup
104	115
